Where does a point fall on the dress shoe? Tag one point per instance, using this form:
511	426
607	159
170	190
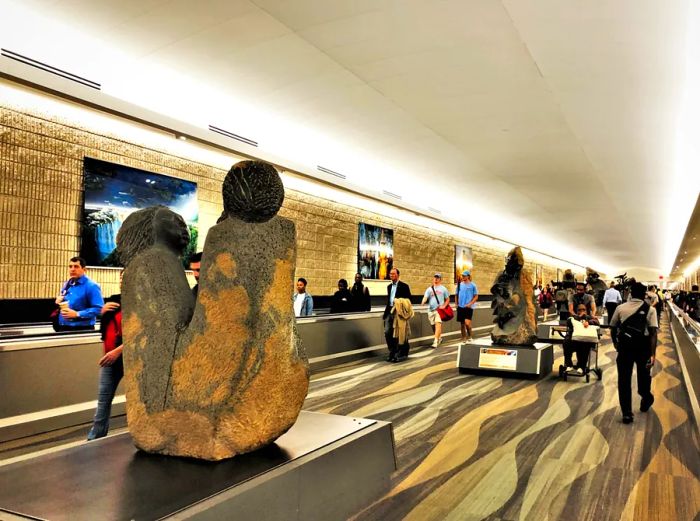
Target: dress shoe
646	404
391	358
627	418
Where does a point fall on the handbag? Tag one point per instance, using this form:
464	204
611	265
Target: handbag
446	314
583	334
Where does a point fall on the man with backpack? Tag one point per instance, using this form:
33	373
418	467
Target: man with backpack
692	303
633	329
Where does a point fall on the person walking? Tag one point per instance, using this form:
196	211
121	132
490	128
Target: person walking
303	301
436	296
545	300
611	300
111	365
395	290
466	296
361	300
634	328
79	300
341	302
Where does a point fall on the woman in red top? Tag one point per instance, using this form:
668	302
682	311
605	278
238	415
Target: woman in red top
112	366
545	300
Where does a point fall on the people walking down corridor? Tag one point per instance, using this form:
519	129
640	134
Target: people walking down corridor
402	313
395	290
611	300
466	296
436	296
546	300
361	300
634	330
303	301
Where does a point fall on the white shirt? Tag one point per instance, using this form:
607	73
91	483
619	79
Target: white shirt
612	295
298	302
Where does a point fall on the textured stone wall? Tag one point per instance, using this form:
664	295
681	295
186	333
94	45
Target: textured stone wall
40	209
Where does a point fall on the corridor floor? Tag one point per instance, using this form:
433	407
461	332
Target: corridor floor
474	447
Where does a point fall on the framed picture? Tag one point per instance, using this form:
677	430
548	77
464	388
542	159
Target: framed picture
463	261
112	192
538	275
375	251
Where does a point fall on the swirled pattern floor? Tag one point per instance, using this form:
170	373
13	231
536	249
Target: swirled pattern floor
473	447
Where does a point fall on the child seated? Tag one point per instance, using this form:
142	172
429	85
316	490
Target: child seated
581	348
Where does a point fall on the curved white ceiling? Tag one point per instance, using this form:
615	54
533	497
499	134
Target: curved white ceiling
566	127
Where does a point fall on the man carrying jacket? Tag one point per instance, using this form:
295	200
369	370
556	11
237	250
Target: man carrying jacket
396	289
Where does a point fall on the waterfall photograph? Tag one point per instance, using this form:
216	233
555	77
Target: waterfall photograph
113	191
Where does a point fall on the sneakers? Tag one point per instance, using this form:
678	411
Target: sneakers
644	407
579	371
627	418
440	341
469	340
435	343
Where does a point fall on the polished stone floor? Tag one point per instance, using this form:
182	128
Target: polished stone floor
471	447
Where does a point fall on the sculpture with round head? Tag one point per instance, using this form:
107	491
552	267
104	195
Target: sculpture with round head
224	374
252	191
148	227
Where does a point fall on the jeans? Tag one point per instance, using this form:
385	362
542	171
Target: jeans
109	380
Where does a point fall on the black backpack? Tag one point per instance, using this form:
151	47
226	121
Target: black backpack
631	331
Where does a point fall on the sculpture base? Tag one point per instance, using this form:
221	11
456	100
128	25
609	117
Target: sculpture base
482	356
551	331
325	467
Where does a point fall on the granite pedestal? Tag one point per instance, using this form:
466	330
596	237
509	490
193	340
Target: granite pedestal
482	356
326	467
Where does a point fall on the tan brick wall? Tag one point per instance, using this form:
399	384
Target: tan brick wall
40	209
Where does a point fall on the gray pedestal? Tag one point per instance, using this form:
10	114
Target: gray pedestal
481	356
549	332
325	467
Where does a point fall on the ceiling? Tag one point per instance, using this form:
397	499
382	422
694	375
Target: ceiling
563	126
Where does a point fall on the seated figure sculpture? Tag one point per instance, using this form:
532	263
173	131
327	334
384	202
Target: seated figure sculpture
225	375
513	306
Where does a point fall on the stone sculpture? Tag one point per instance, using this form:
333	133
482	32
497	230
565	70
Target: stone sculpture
226	374
597	285
513	304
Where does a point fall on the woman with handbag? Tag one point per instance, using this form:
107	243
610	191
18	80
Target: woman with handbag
439	310
580	336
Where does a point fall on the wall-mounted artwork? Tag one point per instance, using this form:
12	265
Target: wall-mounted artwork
538	275
114	191
375	251
463	261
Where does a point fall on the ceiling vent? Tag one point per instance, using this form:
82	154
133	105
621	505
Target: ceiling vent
330	172
233	136
50	69
391	194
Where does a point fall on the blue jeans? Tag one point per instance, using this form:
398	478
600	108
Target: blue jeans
109	380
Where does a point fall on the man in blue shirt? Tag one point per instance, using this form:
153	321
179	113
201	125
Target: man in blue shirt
466	296
80	299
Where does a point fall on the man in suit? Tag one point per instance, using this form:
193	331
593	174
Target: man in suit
396	289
